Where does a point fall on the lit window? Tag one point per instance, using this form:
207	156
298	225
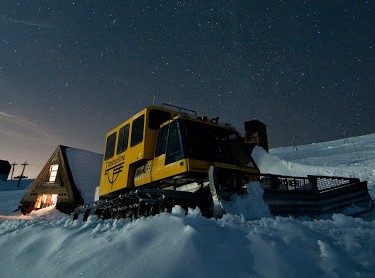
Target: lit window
53	172
45	200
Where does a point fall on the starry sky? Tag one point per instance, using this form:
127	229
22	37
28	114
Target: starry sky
72	70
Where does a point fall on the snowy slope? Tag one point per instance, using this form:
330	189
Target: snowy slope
350	157
15	184
242	244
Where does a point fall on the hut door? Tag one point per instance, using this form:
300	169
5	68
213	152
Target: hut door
45	200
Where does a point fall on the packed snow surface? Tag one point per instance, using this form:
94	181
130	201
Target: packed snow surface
246	242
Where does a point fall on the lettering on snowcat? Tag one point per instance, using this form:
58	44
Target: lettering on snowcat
114	168
115	161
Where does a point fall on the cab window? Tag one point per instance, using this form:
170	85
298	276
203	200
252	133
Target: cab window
137	130
123	139
161	144
174	147
110	146
170	143
157	117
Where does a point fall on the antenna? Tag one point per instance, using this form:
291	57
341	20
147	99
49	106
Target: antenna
13	166
153	100
21	176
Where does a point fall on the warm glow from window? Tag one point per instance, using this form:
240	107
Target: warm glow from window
45	200
53	172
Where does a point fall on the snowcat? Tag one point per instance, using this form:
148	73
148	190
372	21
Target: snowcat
167	156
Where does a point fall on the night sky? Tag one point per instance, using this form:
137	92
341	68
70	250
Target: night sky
72	70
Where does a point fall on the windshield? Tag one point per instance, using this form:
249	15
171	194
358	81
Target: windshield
214	143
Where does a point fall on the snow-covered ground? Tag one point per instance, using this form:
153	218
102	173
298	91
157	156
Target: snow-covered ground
246	242
350	157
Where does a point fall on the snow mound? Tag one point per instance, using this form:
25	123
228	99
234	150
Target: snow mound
250	206
179	245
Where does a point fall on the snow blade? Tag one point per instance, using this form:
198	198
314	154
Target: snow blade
315	195
217	207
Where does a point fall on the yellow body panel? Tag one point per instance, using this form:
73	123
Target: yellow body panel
143	175
195	165
156	170
118	171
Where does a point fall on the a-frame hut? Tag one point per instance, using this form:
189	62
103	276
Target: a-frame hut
68	179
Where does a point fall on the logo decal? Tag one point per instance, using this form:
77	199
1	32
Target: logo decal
113	173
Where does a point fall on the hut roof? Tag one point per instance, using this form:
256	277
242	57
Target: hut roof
85	167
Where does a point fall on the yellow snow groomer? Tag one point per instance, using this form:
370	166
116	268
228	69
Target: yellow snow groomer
169	152
167	156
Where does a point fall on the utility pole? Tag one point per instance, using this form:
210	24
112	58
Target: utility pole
21	176
13	166
346	141
294	140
